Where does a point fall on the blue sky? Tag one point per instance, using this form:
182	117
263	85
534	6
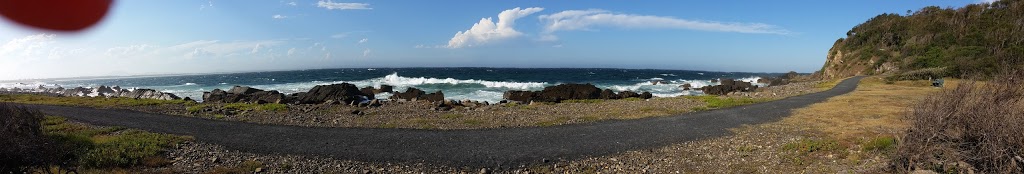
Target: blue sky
172	37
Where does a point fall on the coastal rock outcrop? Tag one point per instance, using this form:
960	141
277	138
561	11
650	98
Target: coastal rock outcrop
344	92
417	94
727	86
561	92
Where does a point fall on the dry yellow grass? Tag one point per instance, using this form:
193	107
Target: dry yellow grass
873	109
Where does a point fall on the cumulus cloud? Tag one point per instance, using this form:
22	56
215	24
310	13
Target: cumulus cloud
277	16
487	31
364	40
570	20
330	5
28	46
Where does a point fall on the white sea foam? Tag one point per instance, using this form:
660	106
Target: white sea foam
190	84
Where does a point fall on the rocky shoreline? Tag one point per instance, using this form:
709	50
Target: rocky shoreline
345	105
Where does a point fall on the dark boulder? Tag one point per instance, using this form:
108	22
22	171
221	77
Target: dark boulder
628	94
561	92
686	86
433	97
368	91
267	97
409	94
215	96
243	90
385	88
340	92
523	96
717	90
609	94
646	95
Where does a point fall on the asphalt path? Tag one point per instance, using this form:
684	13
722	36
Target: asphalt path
482	148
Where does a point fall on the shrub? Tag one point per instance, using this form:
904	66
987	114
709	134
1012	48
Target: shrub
921	74
21	139
971	127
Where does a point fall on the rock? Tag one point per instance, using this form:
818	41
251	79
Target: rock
385	88
609	94
267	97
187	99
522	96
368	91
628	94
561	92
357	112
409	94
686	86
243	90
215	96
484	171
341	92
436	96
646	95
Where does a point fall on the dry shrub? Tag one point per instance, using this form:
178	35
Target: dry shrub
975	127
22	142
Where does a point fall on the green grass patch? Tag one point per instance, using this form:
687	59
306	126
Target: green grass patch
633	99
261	107
451	116
472	122
553	122
85	101
827	84
583	101
715	102
883	144
107	146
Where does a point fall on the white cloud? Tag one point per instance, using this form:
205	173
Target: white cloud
366	52
277	16
256	49
29	46
339	35
291	52
204	6
570	20
987	1
364	40
487	31
343	6
293	3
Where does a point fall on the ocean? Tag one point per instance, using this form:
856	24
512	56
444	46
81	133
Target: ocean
480	84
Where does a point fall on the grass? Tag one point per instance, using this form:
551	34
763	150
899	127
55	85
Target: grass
260	107
858	125
553	122
245	167
451	116
106	147
883	144
86	101
716	102
583	101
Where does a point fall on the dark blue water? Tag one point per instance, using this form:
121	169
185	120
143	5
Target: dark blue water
485	84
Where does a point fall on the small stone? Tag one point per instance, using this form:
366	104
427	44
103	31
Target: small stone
484	171
258	170
214	159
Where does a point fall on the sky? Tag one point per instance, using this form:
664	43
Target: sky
203	36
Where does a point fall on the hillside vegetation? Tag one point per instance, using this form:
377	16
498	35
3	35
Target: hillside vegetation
977	40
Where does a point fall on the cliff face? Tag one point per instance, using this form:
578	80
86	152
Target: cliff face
974	40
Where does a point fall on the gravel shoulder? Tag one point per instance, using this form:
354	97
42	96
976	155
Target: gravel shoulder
497	148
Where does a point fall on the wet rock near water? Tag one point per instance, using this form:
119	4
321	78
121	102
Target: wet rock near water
558	93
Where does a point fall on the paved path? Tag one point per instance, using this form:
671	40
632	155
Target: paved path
486	147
